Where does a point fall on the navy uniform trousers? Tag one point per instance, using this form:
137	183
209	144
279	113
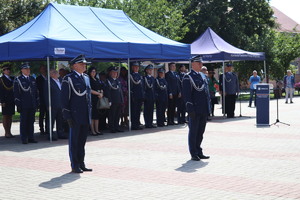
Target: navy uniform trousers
197	126
27	117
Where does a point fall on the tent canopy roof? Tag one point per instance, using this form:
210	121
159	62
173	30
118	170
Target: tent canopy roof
64	31
213	48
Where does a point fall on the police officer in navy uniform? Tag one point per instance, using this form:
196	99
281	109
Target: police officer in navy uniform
27	101
115	97
7	99
161	96
174	92
196	97
76	105
231	90
136	95
180	103
149	97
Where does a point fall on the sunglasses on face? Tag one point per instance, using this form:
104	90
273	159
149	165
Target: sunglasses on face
6	69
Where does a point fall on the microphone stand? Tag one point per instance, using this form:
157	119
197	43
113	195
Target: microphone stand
277	120
241	106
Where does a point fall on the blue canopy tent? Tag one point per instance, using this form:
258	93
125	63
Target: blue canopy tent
214	49
61	32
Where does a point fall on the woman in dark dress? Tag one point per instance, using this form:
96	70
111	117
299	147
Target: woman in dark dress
97	93
7	99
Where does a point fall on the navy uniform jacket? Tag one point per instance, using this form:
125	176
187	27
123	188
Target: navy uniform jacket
173	83
161	89
25	92
195	93
6	90
231	83
55	94
114	91
137	86
149	88
76	98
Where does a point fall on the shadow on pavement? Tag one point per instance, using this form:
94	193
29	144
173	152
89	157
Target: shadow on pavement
191	166
57	182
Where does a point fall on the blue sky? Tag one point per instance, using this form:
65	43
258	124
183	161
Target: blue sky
288	7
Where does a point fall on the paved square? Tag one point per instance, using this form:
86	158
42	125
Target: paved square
247	162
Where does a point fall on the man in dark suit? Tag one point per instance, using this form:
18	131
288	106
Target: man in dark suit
44	115
7	99
149	97
137	95
76	104
196	97
56	106
27	101
161	96
173	91
115	97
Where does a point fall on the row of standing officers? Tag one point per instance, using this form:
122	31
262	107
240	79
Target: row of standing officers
186	91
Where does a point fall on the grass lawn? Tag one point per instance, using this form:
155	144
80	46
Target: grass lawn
16	117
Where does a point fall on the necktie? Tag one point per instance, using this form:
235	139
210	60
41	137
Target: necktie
82	78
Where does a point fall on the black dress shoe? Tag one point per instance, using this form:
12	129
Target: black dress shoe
86	169
195	158
9	136
203	157
99	133
32	141
113	131
24	142
119	130
136	128
77	170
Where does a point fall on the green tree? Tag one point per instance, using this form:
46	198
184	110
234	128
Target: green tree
286	49
15	13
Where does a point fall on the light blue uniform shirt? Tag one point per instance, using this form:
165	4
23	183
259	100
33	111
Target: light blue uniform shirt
253	81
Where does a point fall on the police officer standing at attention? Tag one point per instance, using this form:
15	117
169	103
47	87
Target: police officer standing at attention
161	96
76	104
180	103
174	92
137	95
196	97
149	97
231	90
7	99
115	97
26	100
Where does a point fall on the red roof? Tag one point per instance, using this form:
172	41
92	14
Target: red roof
285	23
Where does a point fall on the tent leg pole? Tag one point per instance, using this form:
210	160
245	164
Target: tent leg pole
49	99
265	69
129	96
223	93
